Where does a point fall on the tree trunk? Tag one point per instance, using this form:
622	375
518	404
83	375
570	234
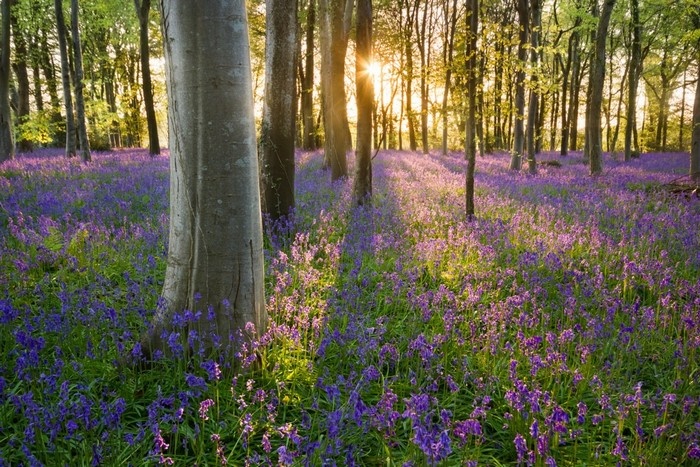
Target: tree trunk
79	99
215	255
470	131
695	141
334	47
307	86
65	76
22	74
519	133
597	76
575	89
424	44
7	147
365	99
533	106
448	54
279	111
408	50
143	9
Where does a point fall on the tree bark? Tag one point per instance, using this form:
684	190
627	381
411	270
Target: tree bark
22	74
65	77
307	89
143	10
215	255
597	76
79	98
7	146
519	132
470	131
695	141
365	100
448	54
533	106
334	42
279	110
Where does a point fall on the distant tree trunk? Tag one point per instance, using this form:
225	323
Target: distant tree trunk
597	76
498	91
7	146
215	248
470	132
65	76
412	12
564	149
79	99
21	72
143	9
424	45
334	42
695	142
448	53
680	133
307	86
533	106
575	88
519	136
365	100
279	110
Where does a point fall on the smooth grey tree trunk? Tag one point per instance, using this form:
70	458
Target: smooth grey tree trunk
7	146
79	85
143	10
65	78
215	255
470	132
447	56
519	131
334	41
362	189
307	90
533	106
22	75
279	109
597	77
695	141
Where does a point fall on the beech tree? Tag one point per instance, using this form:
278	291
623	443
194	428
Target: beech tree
215	255
335	26
79	84
143	10
65	78
471	71
519	131
597	77
7	147
278	129
365	101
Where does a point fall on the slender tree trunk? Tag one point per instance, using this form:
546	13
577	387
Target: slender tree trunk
519	135
307	96
448	54
593	128
22	74
575	88
533	106
65	75
680	133
365	98
498	91
79	99
695	141
7	146
408	47
215	248
423	41
635	64
470	132
279	110
143	9
334	45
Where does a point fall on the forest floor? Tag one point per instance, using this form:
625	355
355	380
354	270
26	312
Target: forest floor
561	326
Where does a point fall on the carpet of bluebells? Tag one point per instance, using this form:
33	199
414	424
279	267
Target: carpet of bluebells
559	327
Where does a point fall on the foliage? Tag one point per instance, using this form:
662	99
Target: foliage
560	327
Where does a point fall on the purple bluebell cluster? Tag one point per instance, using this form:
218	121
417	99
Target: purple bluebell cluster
559	327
